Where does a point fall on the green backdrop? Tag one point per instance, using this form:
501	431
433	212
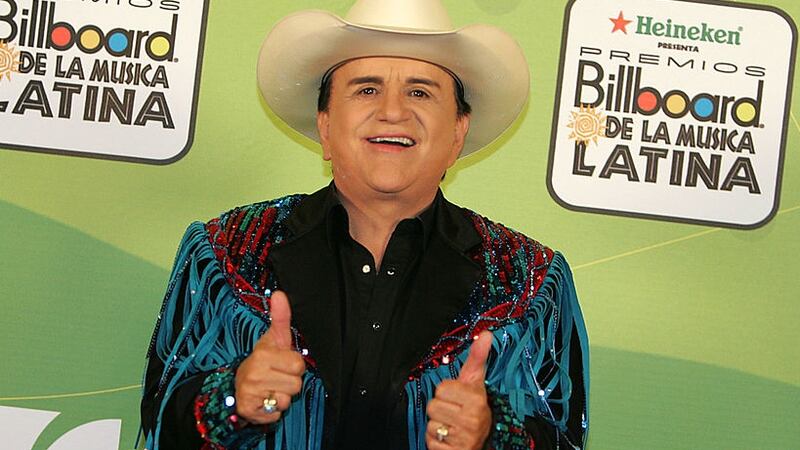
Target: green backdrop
693	329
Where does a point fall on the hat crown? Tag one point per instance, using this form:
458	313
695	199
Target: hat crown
422	15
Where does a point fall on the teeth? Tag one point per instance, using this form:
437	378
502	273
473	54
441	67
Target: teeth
404	141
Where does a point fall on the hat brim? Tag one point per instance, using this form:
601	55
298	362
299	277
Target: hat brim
303	46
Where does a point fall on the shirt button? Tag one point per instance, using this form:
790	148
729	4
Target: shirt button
391	271
376	326
362	392
366	268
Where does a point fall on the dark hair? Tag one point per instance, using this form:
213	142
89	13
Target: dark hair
462	107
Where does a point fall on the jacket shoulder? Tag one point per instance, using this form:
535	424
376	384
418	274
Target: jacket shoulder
242	239
496	236
513	267
242	214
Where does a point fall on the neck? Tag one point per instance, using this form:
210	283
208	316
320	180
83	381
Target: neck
372	221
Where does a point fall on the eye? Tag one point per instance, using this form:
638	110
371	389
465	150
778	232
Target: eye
368	91
419	93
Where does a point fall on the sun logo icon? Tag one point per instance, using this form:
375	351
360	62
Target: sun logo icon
587	125
9	60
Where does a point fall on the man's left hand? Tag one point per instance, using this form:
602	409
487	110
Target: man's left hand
460	408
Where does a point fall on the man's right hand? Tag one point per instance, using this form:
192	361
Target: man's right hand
274	369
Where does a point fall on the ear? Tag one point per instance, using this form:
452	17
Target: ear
461	130
323	122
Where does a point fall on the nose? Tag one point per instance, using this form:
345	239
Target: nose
393	107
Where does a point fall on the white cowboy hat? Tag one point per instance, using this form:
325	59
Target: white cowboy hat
303	46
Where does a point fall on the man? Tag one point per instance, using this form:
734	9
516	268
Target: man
373	313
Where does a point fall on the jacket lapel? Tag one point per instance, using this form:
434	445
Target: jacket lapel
306	270
439	292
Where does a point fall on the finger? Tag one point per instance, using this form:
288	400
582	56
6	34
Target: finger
285	361
474	369
254	410
259	368
433	444
465	409
444	412
280	333
273	381
432	437
460	393
266	357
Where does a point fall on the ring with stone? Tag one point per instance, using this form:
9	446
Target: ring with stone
270	404
441	432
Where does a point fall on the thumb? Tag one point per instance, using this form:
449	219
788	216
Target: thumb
474	369
280	333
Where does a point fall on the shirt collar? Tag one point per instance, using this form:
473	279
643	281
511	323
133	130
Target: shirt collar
449	222
337	221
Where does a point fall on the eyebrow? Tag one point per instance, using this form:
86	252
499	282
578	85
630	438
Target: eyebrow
371	79
425	81
364	80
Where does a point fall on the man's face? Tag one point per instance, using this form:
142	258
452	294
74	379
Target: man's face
391	127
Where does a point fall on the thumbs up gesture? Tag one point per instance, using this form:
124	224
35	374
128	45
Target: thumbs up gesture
273	372
459	414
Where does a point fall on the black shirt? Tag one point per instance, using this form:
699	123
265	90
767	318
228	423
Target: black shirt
371	297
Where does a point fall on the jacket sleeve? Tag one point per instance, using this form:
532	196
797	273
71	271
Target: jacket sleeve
510	432
193	355
538	380
179	430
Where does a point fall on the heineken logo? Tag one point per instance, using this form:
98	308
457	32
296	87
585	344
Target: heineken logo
700	32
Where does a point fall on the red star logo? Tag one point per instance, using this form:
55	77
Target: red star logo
620	23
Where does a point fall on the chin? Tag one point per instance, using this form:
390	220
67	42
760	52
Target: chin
388	183
388	188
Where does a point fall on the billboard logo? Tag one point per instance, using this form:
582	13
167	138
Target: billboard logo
108	79
636	98
691	131
40	27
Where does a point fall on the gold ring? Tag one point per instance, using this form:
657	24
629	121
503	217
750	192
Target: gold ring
441	432
270	404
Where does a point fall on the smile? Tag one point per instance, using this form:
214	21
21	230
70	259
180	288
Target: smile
401	141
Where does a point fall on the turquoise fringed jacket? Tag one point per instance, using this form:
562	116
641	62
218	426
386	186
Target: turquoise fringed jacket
475	275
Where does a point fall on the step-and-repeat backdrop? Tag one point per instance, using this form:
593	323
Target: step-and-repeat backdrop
658	152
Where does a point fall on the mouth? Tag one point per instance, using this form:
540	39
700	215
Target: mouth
394	141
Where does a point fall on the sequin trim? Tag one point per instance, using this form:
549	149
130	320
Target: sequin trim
215	413
508	431
241	240
513	267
